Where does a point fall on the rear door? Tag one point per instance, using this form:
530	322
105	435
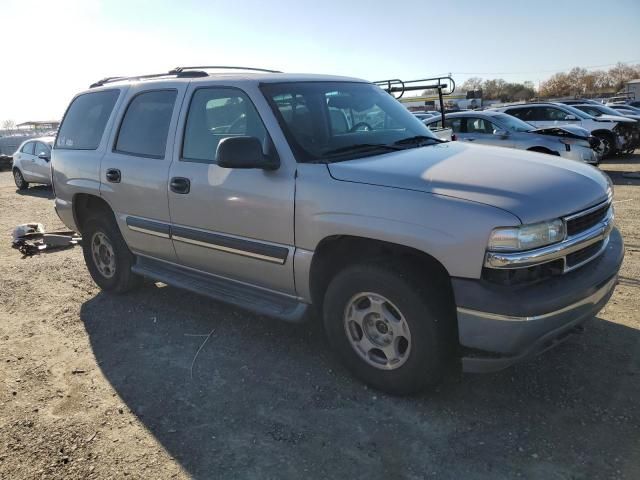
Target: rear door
25	157
236	223
135	167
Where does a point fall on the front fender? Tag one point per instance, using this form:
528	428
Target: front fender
453	231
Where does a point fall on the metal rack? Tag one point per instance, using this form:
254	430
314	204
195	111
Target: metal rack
396	87
180	72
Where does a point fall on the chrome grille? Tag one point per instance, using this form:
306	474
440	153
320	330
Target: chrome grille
585	220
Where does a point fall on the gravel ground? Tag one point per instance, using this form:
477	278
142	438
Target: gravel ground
99	386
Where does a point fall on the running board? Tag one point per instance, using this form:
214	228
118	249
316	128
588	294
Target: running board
257	300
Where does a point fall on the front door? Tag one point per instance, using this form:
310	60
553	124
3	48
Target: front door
235	223
135	169
482	131
42	162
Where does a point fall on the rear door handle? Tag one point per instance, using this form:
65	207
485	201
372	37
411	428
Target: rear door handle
180	185
113	175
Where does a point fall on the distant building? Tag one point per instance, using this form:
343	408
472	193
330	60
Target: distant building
38	126
633	88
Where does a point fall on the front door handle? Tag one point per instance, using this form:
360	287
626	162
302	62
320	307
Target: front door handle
180	185
113	175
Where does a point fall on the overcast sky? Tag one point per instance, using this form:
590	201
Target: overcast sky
53	49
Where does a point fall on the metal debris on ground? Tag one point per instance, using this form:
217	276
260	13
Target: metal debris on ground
31	239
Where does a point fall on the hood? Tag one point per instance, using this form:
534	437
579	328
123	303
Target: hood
614	118
532	186
571	131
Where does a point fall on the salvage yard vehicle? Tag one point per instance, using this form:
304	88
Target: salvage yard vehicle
614	131
599	111
501	130
31	162
251	188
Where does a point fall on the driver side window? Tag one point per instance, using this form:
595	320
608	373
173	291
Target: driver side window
215	114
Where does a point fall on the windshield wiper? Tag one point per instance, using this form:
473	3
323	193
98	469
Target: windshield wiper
361	146
418	139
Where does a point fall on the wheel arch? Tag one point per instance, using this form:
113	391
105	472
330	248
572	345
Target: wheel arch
86	205
335	252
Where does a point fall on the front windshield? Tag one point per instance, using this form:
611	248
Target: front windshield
512	123
333	121
608	110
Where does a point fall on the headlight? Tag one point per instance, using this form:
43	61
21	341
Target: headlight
526	237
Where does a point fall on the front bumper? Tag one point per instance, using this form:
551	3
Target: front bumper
502	325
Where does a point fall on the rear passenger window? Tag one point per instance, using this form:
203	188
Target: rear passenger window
28	148
215	114
144	128
85	120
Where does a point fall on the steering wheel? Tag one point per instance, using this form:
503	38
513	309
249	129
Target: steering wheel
367	127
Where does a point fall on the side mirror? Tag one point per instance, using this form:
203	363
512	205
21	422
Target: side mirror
570	117
244	152
501	133
44	156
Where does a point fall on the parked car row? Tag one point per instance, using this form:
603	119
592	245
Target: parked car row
584	129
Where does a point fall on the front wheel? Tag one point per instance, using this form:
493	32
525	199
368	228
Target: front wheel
21	183
607	145
107	256
387	328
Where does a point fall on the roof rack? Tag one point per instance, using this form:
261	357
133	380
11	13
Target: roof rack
179	72
444	86
221	67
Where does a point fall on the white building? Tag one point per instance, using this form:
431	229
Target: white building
633	87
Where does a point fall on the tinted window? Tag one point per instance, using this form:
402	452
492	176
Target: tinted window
525	113
42	149
145	125
84	122
28	148
215	114
479	125
551	114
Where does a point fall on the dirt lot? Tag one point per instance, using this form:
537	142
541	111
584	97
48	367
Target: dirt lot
98	386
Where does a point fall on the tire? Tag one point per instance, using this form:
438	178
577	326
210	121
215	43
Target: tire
21	183
424	350
107	256
608	148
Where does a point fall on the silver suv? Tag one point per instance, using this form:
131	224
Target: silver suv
278	192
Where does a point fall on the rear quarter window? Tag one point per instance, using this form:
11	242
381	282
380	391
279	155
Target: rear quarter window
84	123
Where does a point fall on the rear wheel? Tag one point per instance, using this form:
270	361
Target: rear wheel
21	183
387	328
107	256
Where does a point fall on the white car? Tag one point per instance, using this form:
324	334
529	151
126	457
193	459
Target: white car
31	162
614	132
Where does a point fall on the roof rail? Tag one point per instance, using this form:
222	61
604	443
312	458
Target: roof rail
188	74
222	67
179	72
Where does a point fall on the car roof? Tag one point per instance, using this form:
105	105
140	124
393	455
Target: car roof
39	139
226	78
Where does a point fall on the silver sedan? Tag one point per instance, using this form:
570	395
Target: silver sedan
502	130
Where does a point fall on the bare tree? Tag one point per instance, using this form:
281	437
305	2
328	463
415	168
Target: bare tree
9	125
